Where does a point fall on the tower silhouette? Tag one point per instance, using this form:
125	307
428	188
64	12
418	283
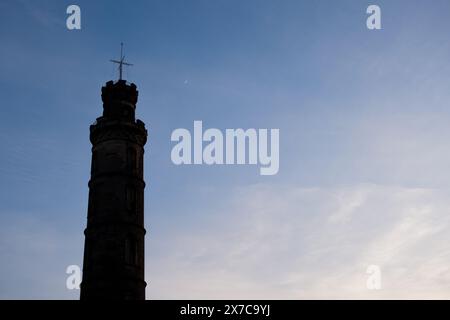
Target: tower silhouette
113	265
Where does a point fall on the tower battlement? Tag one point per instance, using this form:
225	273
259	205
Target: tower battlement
119	100
119	90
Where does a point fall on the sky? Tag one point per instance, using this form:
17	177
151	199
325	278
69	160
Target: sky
364	145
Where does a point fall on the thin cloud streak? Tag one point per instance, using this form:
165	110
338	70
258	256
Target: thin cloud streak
298	243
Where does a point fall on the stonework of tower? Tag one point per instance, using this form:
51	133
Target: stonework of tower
113	266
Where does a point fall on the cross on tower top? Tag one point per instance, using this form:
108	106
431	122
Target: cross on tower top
121	62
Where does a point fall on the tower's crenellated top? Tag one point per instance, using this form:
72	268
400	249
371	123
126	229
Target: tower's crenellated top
119	90
119	100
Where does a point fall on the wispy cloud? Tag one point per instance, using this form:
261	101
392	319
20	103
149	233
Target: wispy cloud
35	255
297	243
42	14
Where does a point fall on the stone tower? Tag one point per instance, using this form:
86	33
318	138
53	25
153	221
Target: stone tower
113	266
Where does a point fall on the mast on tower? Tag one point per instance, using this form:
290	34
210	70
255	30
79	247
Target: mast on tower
121	62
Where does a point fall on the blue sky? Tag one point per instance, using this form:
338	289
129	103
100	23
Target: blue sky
364	152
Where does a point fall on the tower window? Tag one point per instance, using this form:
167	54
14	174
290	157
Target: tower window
131	199
131	251
132	158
